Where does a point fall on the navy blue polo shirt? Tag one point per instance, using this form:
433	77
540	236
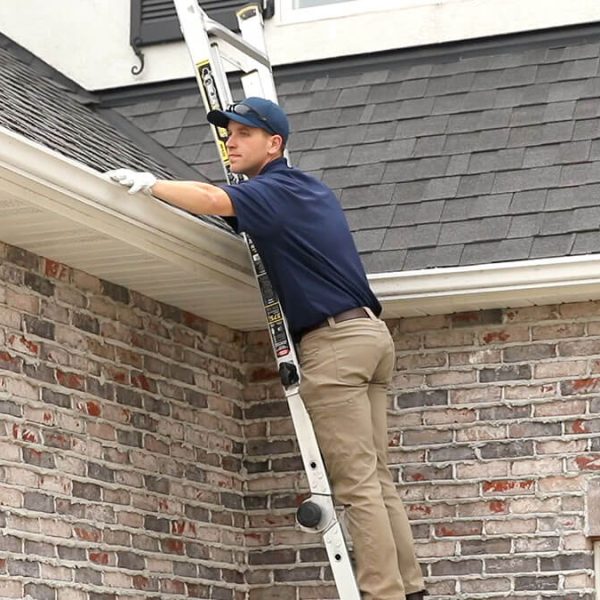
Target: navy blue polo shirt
302	236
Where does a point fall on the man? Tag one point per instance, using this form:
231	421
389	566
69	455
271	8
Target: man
346	352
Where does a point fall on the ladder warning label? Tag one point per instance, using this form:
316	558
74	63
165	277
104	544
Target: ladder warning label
211	96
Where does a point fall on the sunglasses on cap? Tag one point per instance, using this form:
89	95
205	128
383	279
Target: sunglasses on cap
243	109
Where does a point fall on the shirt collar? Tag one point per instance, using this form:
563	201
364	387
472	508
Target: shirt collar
278	163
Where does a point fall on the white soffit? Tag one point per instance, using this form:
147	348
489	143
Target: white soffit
60	209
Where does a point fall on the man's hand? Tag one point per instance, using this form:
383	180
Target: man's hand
136	181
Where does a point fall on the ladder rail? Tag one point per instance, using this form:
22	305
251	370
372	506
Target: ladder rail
236	43
209	44
261	83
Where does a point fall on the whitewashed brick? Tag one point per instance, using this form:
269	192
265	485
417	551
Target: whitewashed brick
435	549
538	466
510	526
11	589
559	369
70	594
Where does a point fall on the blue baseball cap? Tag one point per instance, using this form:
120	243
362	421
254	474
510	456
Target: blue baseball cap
254	112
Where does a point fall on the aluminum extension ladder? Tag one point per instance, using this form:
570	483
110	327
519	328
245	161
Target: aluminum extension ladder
210	45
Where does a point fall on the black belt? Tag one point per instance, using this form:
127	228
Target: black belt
347	315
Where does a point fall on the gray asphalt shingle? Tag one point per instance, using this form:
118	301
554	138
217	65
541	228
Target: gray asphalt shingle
553	245
421	212
42	105
372	195
44	111
415	236
586	243
502	250
470	153
524	226
373	217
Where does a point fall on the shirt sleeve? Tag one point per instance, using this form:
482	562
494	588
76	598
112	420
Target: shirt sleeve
256	205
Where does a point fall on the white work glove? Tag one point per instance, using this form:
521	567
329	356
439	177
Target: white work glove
136	181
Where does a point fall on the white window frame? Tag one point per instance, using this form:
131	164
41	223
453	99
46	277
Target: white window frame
361	27
290	15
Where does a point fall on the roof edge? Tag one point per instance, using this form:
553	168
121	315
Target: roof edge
72	189
498	285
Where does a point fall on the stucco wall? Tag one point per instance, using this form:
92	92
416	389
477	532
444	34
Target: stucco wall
93	47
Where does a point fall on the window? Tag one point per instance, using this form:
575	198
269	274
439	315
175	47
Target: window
311	30
296	11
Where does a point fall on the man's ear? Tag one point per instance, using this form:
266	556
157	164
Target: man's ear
276	143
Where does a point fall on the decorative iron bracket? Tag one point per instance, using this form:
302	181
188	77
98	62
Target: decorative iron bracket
136	70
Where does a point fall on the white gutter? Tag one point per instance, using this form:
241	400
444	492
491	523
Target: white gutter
499	285
54	182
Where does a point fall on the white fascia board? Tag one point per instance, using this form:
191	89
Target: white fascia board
499	285
54	182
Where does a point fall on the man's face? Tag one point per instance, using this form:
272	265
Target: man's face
250	148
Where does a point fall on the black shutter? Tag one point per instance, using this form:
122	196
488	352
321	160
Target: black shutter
155	21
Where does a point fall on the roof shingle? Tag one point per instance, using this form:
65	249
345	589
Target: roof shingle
464	154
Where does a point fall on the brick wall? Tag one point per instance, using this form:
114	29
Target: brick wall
146	453
496	432
283	563
120	442
494	435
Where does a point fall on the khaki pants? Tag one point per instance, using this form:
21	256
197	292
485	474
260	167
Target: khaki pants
346	369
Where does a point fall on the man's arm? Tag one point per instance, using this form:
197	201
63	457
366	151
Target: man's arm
193	196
